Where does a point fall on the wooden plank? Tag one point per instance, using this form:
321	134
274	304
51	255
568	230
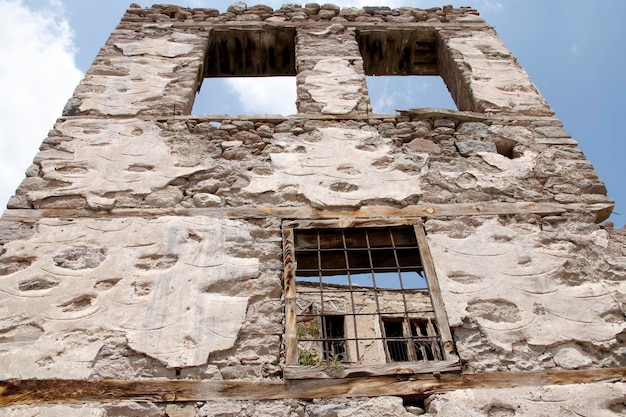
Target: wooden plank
359	371
416	113
441	317
602	211
16	392
238	25
289	276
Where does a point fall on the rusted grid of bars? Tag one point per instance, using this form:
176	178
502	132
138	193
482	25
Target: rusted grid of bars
372	261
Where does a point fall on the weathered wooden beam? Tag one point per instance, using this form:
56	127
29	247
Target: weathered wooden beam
601	210
360	371
15	392
441	316
416	113
289	277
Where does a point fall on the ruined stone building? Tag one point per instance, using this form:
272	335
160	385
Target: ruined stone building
333	262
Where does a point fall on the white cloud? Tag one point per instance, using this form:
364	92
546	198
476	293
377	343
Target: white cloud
265	95
37	76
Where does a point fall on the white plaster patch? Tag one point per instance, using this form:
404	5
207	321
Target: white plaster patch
105	158
156	286
496	83
593	399
570	356
505	169
337	87
156	47
494	263
333	171
127	94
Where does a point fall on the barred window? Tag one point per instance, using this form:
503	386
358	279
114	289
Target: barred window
361	297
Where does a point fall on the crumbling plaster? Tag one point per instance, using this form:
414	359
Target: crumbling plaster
158	283
515	284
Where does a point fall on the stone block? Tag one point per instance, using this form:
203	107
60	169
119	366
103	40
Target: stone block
473	147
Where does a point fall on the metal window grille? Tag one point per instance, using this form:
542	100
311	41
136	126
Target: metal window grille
362	294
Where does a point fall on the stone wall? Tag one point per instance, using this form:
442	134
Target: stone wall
145	242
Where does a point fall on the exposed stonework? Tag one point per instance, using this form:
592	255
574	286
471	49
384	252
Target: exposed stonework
144	248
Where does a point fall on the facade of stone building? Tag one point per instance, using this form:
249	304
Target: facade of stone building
333	262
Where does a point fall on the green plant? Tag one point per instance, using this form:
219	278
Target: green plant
335	360
308	329
308	357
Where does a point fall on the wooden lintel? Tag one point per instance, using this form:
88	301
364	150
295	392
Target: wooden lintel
602	211
241	25
418	113
15	392
360	371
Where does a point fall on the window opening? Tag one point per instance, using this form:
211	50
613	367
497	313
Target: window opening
362	295
424	338
396	343
248	71
402	69
334	344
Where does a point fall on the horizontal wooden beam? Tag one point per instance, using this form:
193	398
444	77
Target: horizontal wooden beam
15	392
601	210
246	25
396	368
416	113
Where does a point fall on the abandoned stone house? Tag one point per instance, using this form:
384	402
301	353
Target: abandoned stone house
333	262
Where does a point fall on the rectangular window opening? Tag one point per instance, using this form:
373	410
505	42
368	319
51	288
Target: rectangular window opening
402	69
248	71
361	297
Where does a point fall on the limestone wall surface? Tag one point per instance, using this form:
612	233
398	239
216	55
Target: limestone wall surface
145	242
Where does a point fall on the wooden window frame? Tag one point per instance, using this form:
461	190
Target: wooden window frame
292	370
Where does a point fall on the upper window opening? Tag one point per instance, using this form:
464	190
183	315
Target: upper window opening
248	71
362	297
402	69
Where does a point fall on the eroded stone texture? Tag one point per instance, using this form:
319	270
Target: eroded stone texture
195	164
54	411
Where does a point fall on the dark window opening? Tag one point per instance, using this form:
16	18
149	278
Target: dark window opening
396	343
269	51
334	344
425	339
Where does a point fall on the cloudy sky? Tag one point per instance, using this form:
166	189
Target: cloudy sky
572	49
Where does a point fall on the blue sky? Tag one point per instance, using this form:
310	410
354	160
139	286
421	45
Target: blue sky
572	50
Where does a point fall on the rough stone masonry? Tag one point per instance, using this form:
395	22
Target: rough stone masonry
141	259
